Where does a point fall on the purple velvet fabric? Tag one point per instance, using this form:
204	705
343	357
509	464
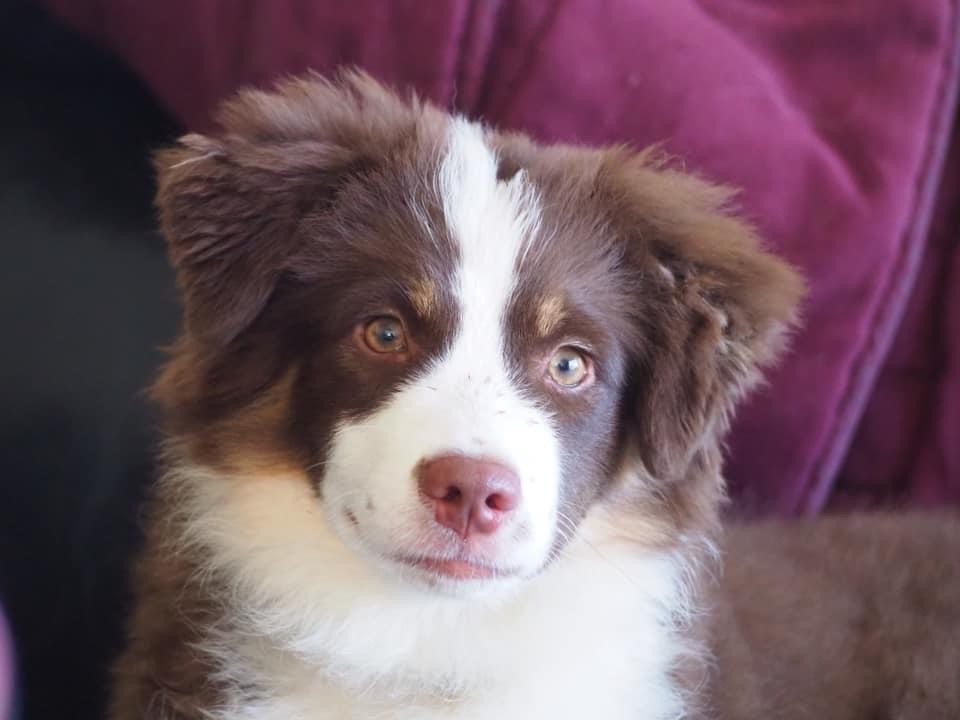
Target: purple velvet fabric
906	445
832	115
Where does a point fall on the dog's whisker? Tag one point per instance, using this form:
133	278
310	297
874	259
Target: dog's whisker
569	523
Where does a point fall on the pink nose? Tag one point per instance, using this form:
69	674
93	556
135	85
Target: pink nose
469	496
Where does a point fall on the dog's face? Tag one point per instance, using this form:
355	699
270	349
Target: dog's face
461	341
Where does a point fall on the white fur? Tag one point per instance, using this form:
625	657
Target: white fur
466	402
327	635
326	625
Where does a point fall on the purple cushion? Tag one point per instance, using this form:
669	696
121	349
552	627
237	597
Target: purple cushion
832	116
906	444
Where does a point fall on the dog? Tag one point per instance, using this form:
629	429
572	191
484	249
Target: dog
443	439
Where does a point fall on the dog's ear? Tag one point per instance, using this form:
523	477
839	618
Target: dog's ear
230	210
231	204
715	309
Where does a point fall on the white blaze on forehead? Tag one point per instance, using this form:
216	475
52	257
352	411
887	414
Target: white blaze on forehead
491	222
466	401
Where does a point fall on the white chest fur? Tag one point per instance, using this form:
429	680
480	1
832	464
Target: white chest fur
594	639
595	635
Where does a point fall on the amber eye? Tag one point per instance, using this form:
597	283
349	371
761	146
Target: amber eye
568	367
385	335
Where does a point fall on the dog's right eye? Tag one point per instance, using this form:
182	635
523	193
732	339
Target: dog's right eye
385	335
569	367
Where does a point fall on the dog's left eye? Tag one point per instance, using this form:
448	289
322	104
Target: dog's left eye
385	335
569	367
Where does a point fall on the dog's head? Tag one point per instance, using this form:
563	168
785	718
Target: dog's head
459	340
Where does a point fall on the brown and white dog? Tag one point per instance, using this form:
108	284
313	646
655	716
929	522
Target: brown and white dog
444	438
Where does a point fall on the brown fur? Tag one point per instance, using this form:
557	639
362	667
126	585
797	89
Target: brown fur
279	228
160	675
840	617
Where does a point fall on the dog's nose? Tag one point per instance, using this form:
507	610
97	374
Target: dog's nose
469	495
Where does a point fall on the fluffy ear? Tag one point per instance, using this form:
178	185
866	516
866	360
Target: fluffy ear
229	211
231	205
716	309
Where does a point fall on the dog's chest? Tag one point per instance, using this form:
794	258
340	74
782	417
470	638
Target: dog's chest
563	697
589	642
566	685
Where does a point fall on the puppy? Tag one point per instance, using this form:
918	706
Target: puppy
443	440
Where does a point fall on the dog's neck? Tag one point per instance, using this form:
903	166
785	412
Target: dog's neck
602	631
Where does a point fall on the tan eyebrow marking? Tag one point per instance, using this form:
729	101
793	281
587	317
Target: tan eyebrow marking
550	314
423	297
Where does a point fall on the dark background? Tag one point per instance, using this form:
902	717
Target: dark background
87	302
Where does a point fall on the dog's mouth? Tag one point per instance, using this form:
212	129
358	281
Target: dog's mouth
459	569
